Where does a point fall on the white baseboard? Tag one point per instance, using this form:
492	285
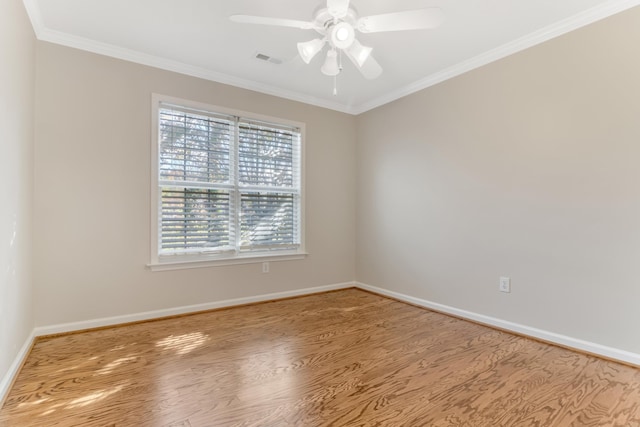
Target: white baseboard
148	315
561	340
7	380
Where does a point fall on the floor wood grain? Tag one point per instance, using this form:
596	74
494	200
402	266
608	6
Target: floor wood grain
346	358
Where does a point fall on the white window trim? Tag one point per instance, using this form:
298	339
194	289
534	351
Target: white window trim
177	262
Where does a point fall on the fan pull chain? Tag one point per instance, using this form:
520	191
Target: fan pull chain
335	78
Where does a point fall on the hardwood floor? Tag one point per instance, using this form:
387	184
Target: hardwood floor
346	358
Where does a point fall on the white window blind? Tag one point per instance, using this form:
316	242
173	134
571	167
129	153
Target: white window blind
226	184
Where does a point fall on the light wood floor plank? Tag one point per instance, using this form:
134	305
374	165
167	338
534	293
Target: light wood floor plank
346	358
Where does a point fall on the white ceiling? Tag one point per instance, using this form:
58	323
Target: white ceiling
196	37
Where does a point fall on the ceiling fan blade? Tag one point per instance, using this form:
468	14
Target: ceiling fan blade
265	20
418	19
370	69
338	8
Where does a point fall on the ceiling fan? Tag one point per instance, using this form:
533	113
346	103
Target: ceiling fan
337	25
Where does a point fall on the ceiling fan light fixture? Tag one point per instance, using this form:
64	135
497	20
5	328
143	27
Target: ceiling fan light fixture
331	67
308	50
359	53
342	35
337	25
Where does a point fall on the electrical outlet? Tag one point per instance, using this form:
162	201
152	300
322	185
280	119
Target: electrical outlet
505	284
265	267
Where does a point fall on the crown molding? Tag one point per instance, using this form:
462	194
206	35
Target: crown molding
559	28
545	34
31	6
182	68
57	37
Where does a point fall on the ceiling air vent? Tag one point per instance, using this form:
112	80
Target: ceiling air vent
267	58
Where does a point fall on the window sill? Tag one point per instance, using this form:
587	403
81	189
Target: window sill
182	263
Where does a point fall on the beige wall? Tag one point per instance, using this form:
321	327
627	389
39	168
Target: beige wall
92	192
528	168
17	61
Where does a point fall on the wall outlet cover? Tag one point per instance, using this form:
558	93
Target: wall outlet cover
505	284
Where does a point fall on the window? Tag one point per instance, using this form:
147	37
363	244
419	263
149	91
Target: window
227	186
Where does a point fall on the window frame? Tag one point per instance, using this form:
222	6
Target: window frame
160	262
